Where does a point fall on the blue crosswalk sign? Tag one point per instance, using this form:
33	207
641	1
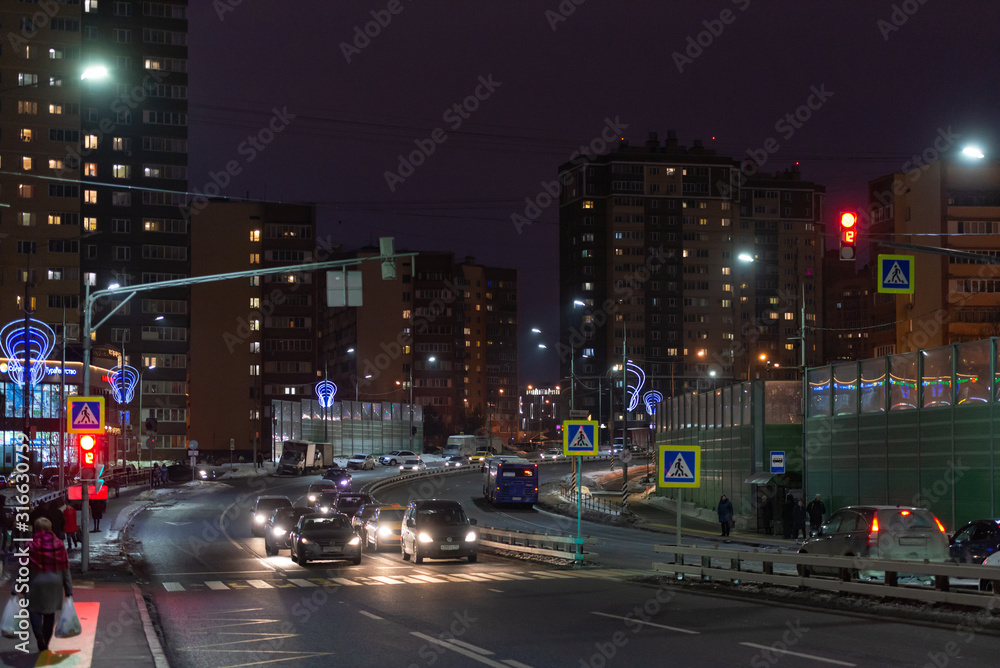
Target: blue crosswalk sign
895	274
580	437
679	466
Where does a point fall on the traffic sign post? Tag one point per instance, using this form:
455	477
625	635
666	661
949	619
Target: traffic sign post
895	274
680	467
85	415
777	461
580	437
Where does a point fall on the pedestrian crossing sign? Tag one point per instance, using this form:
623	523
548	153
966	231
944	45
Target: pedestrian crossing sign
580	437
85	415
895	274
679	466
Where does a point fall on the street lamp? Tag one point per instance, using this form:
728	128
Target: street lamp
429	359
748	258
358	382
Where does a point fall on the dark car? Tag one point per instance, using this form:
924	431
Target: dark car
325	502
879	532
49	476
318	537
318	488
179	472
438	529
278	526
340	477
350	503
263	509
975	542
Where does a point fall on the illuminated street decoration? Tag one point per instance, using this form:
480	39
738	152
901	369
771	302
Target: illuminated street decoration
634	387
325	390
651	399
22	350
131	378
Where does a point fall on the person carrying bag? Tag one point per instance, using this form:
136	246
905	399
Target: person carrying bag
49	579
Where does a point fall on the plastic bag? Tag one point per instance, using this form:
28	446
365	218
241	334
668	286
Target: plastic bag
8	624
69	623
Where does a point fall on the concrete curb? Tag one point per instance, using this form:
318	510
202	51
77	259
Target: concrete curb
155	648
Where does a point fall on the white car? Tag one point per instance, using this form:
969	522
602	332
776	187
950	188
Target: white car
553	453
363	462
412	465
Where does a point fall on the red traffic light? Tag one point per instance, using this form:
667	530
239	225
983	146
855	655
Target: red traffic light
88	450
848	234
848	219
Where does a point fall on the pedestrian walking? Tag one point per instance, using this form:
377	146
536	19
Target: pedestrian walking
260	460
787	516
799	520
768	512
70	526
725	510
163	475
97	508
49	580
816	510
155	475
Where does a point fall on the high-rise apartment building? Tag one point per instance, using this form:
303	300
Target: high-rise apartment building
254	339
101	171
462	356
651	238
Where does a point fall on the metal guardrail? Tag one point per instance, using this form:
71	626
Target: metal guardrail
742	566
591	502
561	545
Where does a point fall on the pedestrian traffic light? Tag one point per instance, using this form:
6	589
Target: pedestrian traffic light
848	234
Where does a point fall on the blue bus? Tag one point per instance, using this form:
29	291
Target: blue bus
511	481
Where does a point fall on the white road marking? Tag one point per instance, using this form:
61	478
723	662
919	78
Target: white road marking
427	578
173	586
461	650
259	584
499	591
456	641
386	579
516	664
813	657
638	621
302	583
215	584
345	581
368	614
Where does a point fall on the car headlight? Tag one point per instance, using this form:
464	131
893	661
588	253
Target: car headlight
401	468
259	519
384	531
312	498
278	531
344	481
470	537
355	541
204	474
324	509
424	538
304	541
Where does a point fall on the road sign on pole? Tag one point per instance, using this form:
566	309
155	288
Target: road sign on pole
679	466
85	415
895	274
777	461
580	437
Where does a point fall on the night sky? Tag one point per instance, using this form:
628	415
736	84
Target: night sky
894	77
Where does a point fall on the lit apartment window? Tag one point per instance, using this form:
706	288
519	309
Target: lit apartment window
55	109
25	191
254	258
90	224
90	169
55	219
255	302
90	278
24	79
90	141
26	107
26	134
254	369
254	235
55	163
406	314
121	171
26	163
25	219
90	6
90	196
588	204
255	324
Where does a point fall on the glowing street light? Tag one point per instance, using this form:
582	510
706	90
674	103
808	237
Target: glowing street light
973	152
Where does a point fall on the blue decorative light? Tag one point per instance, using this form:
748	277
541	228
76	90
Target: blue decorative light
636	386
26	347
325	390
120	376
651	399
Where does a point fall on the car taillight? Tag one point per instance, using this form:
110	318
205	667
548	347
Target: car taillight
873	532
939	525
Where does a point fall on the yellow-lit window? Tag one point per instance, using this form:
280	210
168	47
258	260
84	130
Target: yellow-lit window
55	108
90	169
90	224
90	141
55	163
254	235
27	107
25	134
55	219
121	171
25	191
26	163
255	302
588	204
254	258
90	196
406	314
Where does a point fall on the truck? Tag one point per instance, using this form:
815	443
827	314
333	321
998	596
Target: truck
463	445
299	458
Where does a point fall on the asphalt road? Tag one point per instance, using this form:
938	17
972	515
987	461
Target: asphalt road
221	602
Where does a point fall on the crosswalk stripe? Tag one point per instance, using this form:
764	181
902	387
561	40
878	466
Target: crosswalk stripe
427	578
471	577
302	583
173	586
345	581
552	574
259	584
386	579
215	584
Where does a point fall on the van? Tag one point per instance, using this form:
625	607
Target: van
438	529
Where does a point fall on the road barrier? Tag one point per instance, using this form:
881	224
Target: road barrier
759	566
563	546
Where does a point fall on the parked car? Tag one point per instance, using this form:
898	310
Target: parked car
412	465
278	526
878	532
362	462
263	508
455	462
339	477
438	529
384	527
975	542
318	537
393	458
